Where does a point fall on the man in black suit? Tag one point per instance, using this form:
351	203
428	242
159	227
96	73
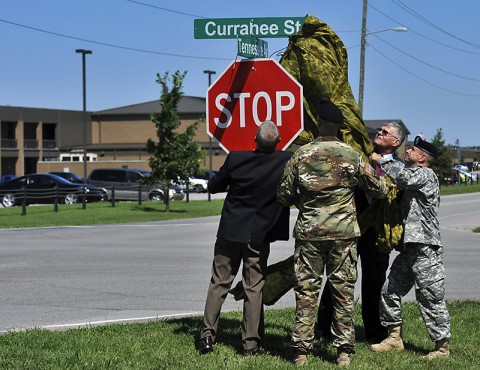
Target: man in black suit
250	220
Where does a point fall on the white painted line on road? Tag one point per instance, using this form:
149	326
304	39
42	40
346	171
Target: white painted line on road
62	327
96	226
118	321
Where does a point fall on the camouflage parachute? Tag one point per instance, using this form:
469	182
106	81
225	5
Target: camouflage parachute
317	58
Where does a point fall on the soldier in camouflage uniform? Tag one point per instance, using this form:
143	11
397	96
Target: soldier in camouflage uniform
319	180
374	246
420	263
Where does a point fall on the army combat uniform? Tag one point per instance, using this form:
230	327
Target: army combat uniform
420	262
319	181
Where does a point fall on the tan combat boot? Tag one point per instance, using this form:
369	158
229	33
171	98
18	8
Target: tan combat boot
393	342
441	350
343	359
300	358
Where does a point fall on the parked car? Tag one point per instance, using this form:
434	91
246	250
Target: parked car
6	178
465	175
126	182
43	188
70	176
460	167
206	174
198	185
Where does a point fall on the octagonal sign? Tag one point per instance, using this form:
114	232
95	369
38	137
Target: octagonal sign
248	93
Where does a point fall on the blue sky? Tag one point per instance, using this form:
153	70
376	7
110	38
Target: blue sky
429	76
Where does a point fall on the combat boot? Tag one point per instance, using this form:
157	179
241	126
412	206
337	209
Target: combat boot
393	342
300	358
441	350
343	359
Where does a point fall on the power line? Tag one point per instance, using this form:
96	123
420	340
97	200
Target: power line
427	64
109	45
410	29
165	9
422	79
409	10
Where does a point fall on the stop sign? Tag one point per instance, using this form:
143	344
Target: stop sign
248	93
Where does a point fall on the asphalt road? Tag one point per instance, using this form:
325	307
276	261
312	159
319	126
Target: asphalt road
74	276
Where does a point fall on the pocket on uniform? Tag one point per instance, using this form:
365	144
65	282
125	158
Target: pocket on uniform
428	269
348	268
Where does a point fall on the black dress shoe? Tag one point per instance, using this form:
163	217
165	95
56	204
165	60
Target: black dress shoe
257	351
206	345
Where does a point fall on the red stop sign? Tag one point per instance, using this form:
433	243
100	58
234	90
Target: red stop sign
248	93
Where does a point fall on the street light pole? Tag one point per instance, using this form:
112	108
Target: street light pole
210	73
363	45
84	52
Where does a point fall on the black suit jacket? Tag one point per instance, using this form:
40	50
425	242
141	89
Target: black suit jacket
250	212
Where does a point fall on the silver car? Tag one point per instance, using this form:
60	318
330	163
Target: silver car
126	184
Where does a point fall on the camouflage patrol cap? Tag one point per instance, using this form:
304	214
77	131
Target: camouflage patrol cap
425	146
328	111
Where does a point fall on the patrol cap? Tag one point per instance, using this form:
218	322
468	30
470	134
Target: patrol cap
328	111
425	146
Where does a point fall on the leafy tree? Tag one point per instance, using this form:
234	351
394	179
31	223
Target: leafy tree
443	164
174	155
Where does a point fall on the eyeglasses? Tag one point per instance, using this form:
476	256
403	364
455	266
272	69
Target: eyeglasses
383	132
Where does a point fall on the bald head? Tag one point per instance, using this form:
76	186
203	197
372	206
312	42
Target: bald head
267	136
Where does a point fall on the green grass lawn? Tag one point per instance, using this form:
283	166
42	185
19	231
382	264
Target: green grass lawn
171	345
459	189
104	213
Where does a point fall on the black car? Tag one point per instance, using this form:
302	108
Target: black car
44	188
6	178
70	176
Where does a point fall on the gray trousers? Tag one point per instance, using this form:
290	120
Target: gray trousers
226	263
421	266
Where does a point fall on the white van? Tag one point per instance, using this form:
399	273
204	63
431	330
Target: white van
77	157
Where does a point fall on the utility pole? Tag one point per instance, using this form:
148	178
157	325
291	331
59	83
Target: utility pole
363	44
84	52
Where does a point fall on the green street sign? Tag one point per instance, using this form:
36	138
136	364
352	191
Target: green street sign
232	28
251	47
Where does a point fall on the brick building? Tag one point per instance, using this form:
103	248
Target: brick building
43	140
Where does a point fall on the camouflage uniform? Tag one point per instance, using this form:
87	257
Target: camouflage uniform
420	262
319	181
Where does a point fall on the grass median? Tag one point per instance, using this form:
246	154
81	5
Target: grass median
123	212
171	345
104	213
460	189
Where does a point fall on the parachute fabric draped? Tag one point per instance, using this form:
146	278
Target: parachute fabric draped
317	59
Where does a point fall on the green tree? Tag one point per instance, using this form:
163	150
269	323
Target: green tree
443	164
174	155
